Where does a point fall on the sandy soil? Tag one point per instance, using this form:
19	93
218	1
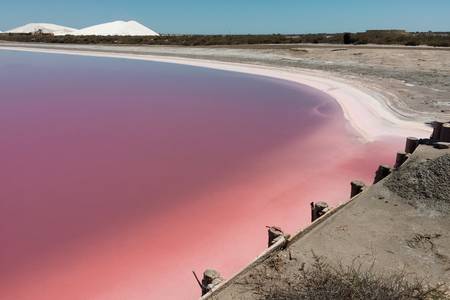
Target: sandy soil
390	228
373	107
414	80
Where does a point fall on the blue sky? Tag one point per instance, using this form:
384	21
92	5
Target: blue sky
235	16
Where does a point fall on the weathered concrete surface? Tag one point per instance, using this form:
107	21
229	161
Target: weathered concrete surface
389	225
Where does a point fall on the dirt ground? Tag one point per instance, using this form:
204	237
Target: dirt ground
415	81
382	228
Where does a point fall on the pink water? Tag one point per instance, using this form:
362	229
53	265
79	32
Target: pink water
117	178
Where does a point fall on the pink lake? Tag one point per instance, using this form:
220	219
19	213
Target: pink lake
119	177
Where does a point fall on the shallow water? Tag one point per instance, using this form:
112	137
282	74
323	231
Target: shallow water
119	177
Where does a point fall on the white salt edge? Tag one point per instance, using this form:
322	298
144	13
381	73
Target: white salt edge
365	110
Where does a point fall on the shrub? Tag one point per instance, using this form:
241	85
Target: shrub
322	281
373	37
348	38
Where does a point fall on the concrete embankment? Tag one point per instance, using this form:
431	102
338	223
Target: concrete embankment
399	224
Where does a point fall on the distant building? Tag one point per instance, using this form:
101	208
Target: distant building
386	31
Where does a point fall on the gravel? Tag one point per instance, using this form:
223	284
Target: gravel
425	185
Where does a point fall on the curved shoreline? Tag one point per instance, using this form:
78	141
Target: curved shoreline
365	110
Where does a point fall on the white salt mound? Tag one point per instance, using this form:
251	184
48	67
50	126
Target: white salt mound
44	28
123	28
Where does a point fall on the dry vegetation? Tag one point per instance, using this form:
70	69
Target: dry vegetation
323	281
373	37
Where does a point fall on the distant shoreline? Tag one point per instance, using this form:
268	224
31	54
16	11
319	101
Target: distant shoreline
137	37
368	114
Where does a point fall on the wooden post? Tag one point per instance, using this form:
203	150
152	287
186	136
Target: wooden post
445	133
437	126
274	234
382	172
400	159
357	188
411	144
318	209
211	278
